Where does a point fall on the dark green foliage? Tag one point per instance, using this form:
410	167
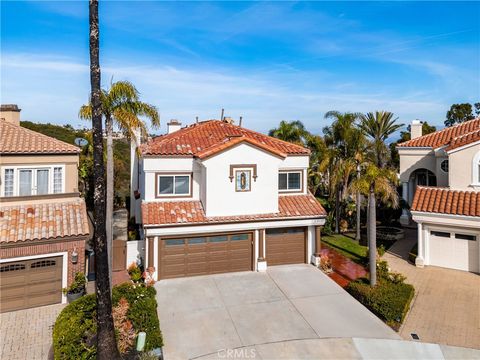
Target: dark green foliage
64	133
389	299
75	328
78	284
459	113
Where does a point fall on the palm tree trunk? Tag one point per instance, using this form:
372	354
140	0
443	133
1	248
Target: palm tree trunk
372	240
106	345
337	209
110	194
359	208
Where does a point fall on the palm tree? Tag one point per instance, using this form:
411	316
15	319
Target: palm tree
106	345
344	138
293	131
378	127
121	106
375	182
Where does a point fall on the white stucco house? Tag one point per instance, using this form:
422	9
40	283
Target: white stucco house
440	175
214	197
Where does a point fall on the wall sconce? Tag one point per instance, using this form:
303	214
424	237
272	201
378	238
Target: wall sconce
74	256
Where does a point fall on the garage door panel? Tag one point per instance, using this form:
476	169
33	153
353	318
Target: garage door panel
456	251
203	255
34	283
285	246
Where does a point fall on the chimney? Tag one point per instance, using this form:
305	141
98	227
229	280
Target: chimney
416	129
10	113
173	126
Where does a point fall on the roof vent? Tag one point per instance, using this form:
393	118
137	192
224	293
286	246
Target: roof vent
173	126
228	120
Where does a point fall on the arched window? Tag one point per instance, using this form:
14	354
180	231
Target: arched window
476	169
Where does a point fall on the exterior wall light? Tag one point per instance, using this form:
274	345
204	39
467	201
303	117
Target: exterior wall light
74	256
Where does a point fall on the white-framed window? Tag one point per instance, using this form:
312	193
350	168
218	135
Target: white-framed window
173	185
290	181
476	169
29	181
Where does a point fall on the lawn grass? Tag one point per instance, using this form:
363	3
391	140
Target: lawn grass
347	247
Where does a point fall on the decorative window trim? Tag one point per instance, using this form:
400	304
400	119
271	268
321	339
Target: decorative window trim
178	173
476	169
33	167
244	167
448	166
290	191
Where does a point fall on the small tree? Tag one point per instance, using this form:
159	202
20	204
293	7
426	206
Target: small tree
375	182
459	113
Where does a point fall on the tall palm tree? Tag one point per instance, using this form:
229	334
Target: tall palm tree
378	127
106	345
121	106
293	131
344	138
375	182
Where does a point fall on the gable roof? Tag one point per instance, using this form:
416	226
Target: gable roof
463	140
19	140
206	138
192	212
446	201
46	220
443	137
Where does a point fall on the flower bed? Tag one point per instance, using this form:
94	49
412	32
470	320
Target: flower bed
390	299
134	310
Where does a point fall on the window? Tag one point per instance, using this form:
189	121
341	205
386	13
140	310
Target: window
444	166
239	237
218	239
174	242
290	181
440	234
12	267
465	237
173	185
199	240
43	263
57	180
476	169
43	180
8	182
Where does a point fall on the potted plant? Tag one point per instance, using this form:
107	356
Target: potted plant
76	288
325	264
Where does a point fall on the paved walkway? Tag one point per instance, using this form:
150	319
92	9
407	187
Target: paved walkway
446	308
27	334
204	314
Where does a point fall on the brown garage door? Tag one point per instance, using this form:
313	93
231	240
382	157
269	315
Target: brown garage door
203	255
285	246
30	283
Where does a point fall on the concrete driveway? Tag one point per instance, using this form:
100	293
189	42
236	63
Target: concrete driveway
207	314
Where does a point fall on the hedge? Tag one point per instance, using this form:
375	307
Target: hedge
389	299
74	332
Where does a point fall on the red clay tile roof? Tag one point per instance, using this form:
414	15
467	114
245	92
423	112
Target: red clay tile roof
464	140
446	201
444	136
191	212
213	136
19	140
47	220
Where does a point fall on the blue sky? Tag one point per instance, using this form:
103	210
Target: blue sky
265	61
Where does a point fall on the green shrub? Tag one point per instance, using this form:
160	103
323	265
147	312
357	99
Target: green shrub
389	299
75	328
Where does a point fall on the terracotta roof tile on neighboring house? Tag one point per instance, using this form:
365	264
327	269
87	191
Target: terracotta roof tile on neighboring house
446	201
214	135
444	136
464	140
185	212
47	220
19	140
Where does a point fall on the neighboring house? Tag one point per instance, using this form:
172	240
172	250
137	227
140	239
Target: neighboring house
440	175
43	221
214	197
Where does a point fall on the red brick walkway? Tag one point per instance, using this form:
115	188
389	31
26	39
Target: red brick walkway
344	269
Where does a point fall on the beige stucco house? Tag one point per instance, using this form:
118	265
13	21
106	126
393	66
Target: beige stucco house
43	221
440	176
